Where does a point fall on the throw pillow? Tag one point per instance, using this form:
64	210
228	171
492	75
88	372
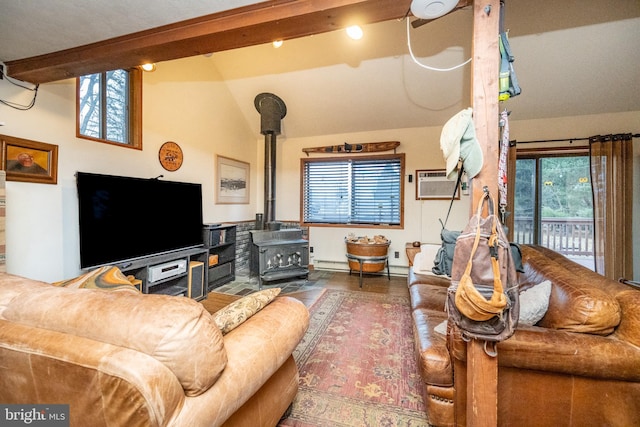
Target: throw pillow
418	263
234	314
106	278
441	328
424	260
534	303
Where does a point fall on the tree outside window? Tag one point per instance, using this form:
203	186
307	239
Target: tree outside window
109	107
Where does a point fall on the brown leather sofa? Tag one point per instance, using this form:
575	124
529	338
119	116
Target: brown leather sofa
579	365
128	359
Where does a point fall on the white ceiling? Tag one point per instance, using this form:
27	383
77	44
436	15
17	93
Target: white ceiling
573	57
35	27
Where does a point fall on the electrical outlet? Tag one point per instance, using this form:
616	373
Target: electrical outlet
396	254
311	249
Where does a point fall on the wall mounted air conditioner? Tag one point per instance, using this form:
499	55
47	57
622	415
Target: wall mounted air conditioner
434	185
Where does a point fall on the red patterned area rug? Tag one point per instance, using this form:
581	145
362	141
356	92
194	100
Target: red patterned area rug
357	364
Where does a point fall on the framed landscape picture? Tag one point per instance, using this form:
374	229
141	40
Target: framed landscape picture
232	181
29	161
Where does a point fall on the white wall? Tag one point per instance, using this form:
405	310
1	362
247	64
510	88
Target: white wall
184	101
422	148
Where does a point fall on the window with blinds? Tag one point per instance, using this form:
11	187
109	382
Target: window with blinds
353	190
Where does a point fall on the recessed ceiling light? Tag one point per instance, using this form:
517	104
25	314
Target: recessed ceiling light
277	43
148	67
355	32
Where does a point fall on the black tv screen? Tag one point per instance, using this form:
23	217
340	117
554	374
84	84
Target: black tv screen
123	218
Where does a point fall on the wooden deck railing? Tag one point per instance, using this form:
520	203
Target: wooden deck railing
568	236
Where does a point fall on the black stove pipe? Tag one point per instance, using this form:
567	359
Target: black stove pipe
272	110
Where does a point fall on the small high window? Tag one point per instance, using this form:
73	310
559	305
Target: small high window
109	107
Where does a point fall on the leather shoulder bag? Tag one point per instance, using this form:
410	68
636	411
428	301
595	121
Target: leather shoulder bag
483	299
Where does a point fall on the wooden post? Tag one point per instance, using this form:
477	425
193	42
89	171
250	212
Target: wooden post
484	92
482	370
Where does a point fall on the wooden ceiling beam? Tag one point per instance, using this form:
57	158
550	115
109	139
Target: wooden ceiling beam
246	26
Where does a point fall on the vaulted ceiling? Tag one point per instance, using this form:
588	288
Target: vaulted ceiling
572	57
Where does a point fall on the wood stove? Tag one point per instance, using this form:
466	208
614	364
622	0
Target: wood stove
278	255
275	254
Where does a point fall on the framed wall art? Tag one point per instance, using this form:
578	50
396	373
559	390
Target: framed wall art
29	161
232	181
432	184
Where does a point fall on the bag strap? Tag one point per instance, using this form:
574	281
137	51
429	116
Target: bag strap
493	249
493	244
455	190
477	238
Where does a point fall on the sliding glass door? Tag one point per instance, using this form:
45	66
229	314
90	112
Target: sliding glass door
553	204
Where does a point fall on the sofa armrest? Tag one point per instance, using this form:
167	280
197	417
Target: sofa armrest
629	327
434	361
94	378
255	351
178	332
563	352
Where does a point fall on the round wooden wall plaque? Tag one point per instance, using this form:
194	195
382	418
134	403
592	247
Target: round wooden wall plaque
170	156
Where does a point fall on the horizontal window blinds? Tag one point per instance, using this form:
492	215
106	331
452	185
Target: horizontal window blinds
376	192
353	191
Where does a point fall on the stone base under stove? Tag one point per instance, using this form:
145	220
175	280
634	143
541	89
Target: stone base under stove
244	284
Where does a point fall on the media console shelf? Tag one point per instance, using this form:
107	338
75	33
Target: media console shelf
220	241
179	273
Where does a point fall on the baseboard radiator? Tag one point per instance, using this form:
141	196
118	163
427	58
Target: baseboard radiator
332	265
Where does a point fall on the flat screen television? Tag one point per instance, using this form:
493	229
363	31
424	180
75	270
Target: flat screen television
124	218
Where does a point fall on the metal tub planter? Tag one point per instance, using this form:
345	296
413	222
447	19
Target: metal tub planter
367	255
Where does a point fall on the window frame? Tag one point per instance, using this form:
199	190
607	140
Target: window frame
135	112
399	156
537	155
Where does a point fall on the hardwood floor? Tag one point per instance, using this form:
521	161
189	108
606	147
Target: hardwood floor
215	301
397	285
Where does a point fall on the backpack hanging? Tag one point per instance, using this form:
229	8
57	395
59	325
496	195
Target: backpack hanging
444	257
482	299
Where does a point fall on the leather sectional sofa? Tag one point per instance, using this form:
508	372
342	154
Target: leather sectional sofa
579	365
121	358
